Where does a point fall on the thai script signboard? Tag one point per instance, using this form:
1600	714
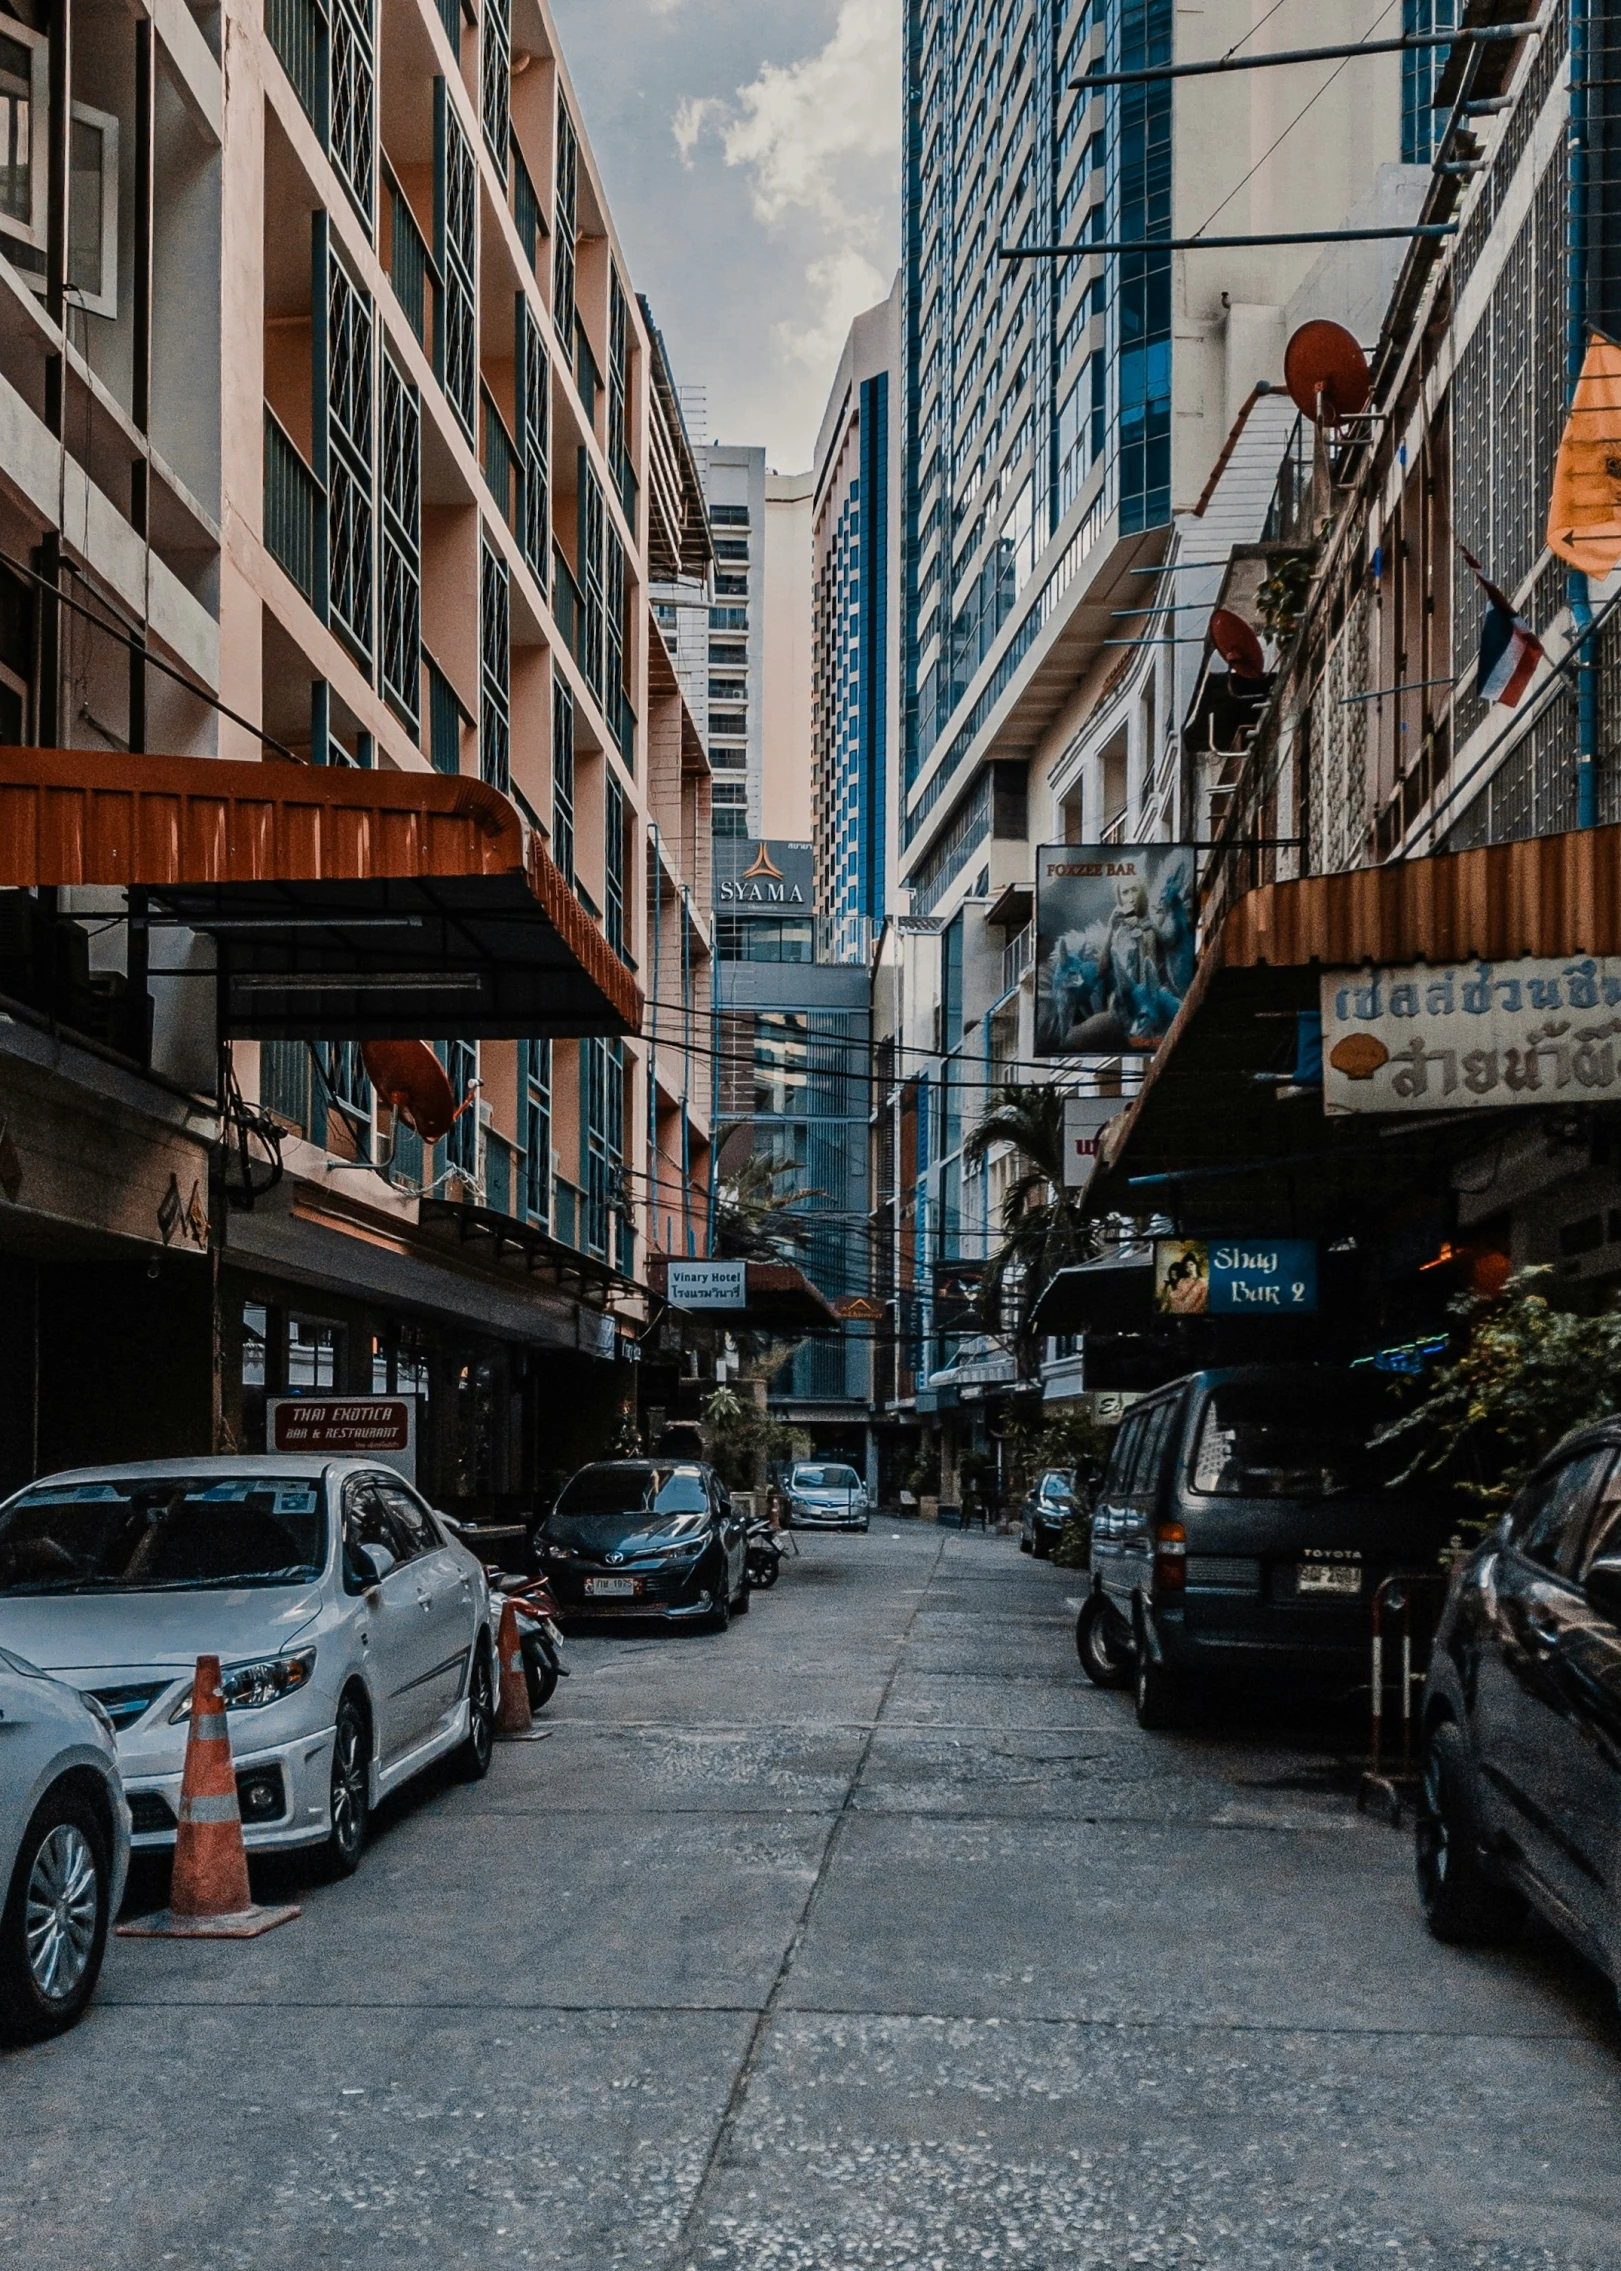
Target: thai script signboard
708	1285
1429	1038
1235	1277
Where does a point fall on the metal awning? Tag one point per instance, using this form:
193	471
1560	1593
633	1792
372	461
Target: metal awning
1210	1136
342	904
1112	1295
780	1297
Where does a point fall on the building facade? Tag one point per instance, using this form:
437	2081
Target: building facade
856	558
734	478
336	445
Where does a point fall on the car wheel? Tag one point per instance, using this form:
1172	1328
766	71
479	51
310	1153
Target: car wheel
1158	1696
1105	1658
721	1615
1025	1545
54	1930
1462	1903
1041	1546
740	1607
351	1789
473	1759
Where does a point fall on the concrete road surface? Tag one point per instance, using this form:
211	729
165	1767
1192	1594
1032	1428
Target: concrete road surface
864	1935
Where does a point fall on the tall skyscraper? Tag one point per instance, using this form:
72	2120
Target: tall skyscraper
856	565
734	480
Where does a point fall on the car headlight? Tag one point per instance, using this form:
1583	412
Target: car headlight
557	1553
249	1687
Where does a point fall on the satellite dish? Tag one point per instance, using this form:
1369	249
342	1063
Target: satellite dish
413	1083
1326	373
1237	644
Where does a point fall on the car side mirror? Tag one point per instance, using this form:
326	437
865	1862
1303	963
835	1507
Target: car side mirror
457	1528
1603	1583
375	1563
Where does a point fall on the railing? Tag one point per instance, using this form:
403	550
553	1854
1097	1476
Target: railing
450	15
625	730
525	207
626	483
587	378
500	461
1289	515
297	30
1018	956
447	713
566	602
410	264
500	1182
565	1211
293	505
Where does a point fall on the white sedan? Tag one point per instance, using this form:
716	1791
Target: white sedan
353	1631
64	1849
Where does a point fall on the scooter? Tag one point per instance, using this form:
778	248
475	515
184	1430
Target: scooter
764	1554
538	1633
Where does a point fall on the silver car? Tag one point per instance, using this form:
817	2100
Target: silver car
64	1849
353	1631
826	1495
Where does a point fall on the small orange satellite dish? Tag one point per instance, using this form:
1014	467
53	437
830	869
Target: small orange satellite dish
1237	644
413	1083
1326	373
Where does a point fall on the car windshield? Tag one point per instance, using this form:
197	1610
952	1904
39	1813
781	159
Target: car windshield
1057	1485
163	1533
1258	1440
826	1478
605	1502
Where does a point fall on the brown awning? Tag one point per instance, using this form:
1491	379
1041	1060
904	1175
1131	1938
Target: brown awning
1210	1117
780	1298
342	903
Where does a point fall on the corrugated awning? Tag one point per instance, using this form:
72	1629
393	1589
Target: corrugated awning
342	904
1209	1112
780	1296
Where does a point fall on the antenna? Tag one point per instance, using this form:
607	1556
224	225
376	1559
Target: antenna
1237	644
1326	373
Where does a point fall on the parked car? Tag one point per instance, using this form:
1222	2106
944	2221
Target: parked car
1520	1723
647	1538
824	1495
352	1629
64	1848
1047	1507
1244	1524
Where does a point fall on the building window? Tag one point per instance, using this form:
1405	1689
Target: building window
562	775
565	218
781	1062
534	415
591	549
728	516
344	442
455	224
729	812
732	548
536	1068
402	545
602	1137
613	863
728	618
723	754
619	398
731	587
526	212
1421	69
764	938
352	128
495	669
447	715
729	721
495	78
460	1060
727	656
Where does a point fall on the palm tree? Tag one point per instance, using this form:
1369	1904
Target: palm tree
1043	1228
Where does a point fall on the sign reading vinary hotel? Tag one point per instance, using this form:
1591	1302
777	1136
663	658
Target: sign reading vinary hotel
1432	1039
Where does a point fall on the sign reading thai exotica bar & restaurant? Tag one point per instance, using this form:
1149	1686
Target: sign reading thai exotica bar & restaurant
1433	1038
346	1427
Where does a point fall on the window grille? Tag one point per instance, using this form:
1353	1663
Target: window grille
450	15
344	1074
446	717
537	1130
495	671
500	461
1339	746
455	217
619	398
562	775
565	220
297	30
595	1157
408	262
615	703
613	864
402	545
495	78
534	415
593	568
526	211
352	131
284	1081
345	441
293	505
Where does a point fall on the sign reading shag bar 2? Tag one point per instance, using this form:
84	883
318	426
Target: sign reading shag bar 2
1428	1038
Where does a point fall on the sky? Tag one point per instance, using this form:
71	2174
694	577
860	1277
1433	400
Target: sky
750	150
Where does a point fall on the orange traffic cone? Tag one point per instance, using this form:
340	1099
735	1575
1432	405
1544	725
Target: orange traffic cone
209	1898
514	1721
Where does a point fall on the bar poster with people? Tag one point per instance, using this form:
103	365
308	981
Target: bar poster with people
1114	945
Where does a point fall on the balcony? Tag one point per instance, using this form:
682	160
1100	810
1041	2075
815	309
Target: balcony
294	505
500	462
1018	957
566	606
410	263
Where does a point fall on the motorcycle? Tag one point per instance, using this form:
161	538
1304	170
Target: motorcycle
764	1554
539	1635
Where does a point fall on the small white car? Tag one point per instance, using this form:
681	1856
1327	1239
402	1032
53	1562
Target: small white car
64	1849
826	1495
353	1631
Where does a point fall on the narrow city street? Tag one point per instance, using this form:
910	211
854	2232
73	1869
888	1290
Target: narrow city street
866	1933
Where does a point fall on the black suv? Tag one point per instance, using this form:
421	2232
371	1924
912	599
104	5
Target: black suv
1244	1524
646	1538
1521	1717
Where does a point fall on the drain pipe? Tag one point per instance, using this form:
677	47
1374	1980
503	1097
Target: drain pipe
1576	586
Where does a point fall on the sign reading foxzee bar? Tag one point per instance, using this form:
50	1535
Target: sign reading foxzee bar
1429	1038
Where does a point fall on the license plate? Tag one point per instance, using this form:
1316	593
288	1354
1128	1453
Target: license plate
611	1588
1328	1577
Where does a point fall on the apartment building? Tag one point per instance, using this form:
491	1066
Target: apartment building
734	477
856	557
339	446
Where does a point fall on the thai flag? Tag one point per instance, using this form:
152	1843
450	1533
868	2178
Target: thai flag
1509	649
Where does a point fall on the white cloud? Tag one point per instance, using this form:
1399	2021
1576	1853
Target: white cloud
688	123
837	288
798	126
